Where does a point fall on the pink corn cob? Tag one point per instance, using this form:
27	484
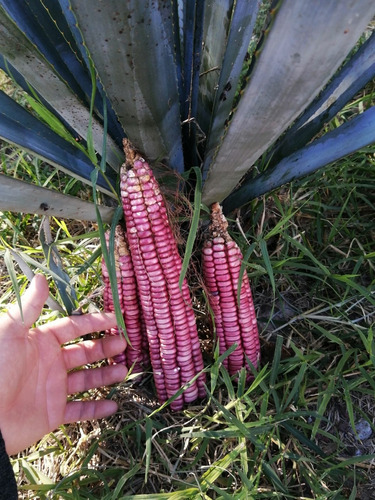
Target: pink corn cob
234	323
135	353
167	311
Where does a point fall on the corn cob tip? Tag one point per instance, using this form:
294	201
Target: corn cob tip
120	244
131	154
219	224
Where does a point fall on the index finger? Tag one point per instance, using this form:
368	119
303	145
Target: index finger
67	329
32	304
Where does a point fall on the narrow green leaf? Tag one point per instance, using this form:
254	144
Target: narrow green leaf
219	466
267	263
89	262
13	277
302	438
189	493
124	479
193	227
273	477
323	405
347	279
281	223
55	264
29	273
90	141
241	428
52	121
276	360
275	370
103	161
109	261
148	445
228	383
296	385
227	353
328	334
244	263
349	405
307	252
350	461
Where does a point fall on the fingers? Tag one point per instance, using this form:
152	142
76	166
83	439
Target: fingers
76	411
67	329
83	380
32	302
89	351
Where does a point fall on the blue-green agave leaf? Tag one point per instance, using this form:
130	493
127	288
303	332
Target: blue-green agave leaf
20	196
193	16
352	77
132	47
217	17
62	16
42	76
228	31
298	57
20	127
45	25
34	21
20	80
346	139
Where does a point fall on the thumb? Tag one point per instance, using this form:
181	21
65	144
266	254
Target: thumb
32	302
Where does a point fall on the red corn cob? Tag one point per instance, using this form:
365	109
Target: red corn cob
135	353
167	311
235	323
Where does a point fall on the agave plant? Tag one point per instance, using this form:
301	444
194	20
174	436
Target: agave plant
222	85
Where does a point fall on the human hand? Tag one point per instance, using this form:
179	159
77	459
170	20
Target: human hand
35	369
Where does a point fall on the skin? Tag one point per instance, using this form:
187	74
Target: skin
35	369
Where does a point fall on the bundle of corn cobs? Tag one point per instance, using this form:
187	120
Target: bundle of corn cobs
158	314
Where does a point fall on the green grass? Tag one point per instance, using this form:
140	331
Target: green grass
309	250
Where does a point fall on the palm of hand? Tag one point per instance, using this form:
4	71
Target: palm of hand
35	370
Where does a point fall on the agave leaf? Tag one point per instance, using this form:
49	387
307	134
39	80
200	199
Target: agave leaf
61	14
351	78
40	74
23	84
226	42
215	35
20	196
131	45
353	135
193	15
299	56
34	21
19	127
45	25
